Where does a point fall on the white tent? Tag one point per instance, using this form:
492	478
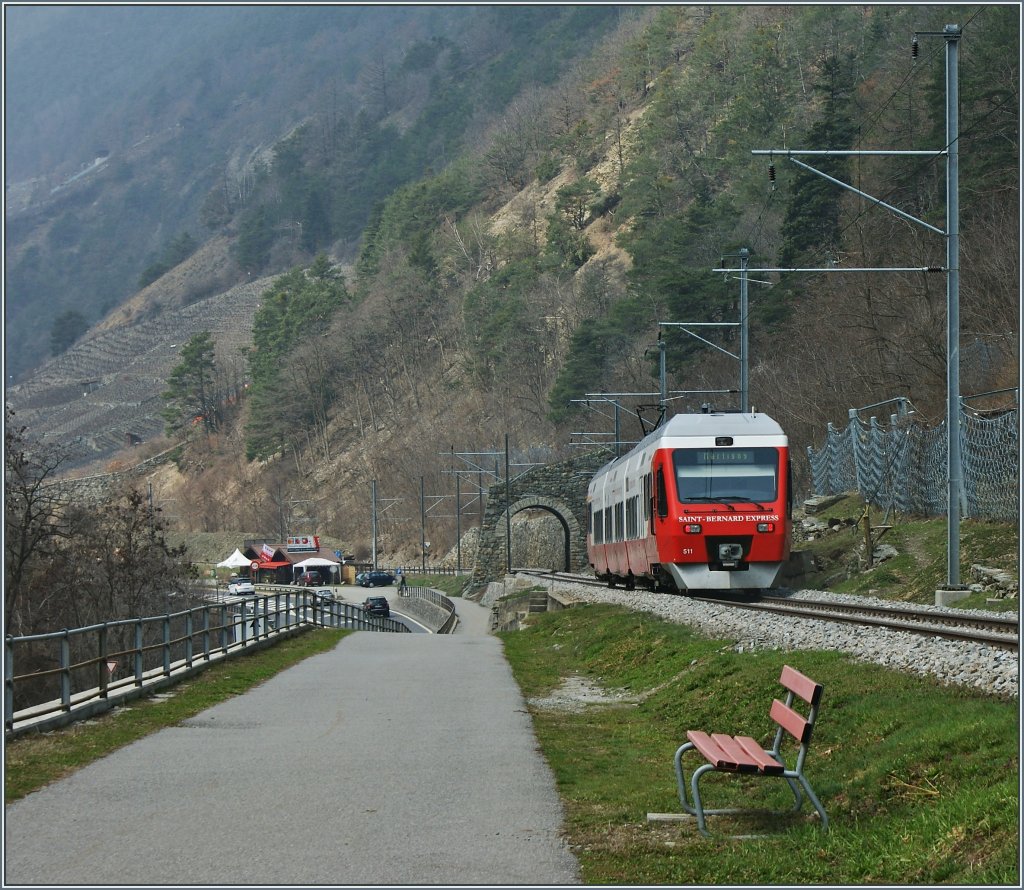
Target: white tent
235	561
317	562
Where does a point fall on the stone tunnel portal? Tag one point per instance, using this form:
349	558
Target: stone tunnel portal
558	489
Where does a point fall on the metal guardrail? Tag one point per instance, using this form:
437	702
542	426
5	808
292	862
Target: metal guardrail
428	594
426	570
55	678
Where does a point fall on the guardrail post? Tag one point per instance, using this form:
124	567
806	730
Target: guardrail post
166	648
206	633
188	638
139	661
223	627
9	682
65	671
103	672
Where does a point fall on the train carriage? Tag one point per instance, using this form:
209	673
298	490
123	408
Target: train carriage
701	503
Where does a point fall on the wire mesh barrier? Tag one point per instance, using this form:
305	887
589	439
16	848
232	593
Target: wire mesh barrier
904	465
55	678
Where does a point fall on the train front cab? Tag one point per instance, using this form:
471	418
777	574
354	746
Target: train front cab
722	514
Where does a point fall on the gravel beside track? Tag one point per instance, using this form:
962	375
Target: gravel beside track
986	668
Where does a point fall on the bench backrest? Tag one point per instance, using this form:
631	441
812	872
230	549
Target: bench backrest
797	685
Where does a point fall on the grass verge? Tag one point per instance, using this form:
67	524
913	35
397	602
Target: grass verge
920	781
33	761
919	567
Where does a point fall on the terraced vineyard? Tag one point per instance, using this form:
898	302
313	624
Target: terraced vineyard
107	387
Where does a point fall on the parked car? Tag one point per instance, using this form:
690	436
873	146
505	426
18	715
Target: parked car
360	577
309	579
323	595
377	605
240	586
377	579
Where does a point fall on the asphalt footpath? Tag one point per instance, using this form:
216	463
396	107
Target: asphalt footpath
392	759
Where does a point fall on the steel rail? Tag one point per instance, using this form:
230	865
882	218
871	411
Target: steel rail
996	624
967	631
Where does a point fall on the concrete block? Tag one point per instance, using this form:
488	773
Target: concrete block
948	596
821	501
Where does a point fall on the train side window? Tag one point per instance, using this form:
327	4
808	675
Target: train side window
662	494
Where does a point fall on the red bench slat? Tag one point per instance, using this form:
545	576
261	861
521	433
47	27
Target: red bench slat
791	721
800	684
766	763
712	751
709	749
744	763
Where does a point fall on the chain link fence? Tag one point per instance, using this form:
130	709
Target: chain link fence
903	465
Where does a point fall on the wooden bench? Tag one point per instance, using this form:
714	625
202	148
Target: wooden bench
744	756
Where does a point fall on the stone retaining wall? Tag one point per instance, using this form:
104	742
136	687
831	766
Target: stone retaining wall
96	489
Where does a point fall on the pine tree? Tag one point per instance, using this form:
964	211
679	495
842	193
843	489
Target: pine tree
192	390
812	217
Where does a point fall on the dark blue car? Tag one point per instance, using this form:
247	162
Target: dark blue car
377	605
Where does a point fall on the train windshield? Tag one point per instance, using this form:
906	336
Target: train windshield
739	475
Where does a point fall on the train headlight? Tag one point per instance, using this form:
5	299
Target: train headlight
692	529
766	526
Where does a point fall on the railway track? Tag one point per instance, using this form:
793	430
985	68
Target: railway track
996	630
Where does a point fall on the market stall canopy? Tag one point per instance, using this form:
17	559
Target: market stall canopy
235	561
317	561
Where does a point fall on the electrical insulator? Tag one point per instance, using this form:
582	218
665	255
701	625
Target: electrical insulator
913	48
771	173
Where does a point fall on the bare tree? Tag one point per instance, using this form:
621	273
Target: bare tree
34	504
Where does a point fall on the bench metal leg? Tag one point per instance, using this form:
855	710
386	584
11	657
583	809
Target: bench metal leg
797	782
681	779
697	807
813	798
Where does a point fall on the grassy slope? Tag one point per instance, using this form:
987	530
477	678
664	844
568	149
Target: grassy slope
919	567
920	782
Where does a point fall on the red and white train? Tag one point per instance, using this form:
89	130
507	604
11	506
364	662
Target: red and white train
703	502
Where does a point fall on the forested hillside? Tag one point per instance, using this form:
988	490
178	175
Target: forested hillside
519	222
